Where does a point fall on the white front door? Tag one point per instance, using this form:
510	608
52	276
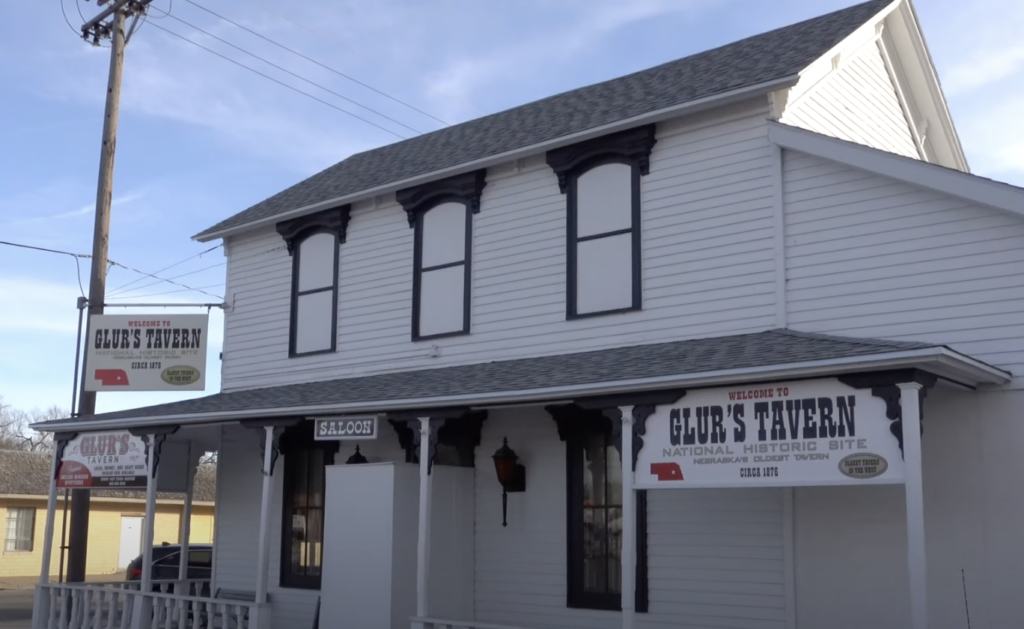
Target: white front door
131	539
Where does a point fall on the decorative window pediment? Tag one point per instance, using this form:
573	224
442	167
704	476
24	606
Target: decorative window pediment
334	220
633	147
465	188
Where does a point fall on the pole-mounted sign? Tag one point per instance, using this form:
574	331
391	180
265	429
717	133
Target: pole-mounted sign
165	352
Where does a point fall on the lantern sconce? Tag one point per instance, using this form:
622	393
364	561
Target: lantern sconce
511	475
356	458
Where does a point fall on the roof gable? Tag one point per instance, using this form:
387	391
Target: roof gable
762	59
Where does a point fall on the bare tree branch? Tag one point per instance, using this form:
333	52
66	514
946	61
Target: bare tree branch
15	433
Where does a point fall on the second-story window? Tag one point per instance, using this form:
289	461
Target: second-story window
314	243
315	294
442	271
601	180
441	212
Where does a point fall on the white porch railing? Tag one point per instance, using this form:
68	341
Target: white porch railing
114	605
438	623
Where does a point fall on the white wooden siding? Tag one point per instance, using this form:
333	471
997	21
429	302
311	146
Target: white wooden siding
868	256
239	494
856	102
707	266
715	556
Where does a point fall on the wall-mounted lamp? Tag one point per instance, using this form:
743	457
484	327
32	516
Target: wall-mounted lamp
511	475
356	458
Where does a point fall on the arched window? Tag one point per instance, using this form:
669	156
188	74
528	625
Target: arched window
441	282
314	243
601	180
441	212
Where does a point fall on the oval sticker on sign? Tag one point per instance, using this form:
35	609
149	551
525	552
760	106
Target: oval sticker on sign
863	465
180	375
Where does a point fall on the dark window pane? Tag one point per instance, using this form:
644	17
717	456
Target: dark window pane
200	558
302	542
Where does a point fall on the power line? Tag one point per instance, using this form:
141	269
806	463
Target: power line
65	13
170	292
282	83
171	266
161	278
76	256
174	277
298	76
352	49
311	60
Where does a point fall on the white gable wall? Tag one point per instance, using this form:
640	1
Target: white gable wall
872	257
857	102
707	266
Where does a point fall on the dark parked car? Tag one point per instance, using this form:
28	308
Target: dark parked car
166	561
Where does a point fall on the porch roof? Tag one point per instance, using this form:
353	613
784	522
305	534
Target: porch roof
756	357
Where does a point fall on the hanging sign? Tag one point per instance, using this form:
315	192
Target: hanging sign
165	352
813	432
345	428
103	459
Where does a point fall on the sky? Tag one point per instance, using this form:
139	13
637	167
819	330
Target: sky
202	138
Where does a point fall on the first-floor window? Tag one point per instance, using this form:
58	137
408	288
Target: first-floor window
302	538
595	522
21	523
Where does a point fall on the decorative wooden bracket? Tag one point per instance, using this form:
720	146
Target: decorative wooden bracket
633	146
885	385
465	188
457	427
334	221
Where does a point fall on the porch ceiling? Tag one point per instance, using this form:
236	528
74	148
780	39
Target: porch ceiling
762	356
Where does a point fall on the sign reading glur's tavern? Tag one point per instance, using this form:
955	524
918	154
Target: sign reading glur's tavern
815	432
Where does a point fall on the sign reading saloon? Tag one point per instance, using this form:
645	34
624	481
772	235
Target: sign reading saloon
815	432
345	428
146	353
108	459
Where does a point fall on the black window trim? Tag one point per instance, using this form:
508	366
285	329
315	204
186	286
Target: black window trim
465	189
572	240
576	597
419	270
333	222
298	438
632	148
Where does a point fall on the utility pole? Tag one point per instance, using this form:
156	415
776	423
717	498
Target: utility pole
95	29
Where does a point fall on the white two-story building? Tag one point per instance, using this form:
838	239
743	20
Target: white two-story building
766	265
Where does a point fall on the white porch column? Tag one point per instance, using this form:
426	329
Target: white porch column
628	521
269	446
910	405
423	535
41	601
186	519
143	605
149	523
51	511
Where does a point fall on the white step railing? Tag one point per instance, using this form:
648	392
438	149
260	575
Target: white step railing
114	606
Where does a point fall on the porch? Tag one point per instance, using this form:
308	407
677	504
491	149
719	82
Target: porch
419	441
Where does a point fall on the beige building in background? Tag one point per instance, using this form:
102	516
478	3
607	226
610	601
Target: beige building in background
115	519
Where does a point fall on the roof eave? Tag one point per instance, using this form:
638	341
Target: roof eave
941	361
658	115
962	185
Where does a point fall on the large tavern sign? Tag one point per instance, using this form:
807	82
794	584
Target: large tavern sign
814	432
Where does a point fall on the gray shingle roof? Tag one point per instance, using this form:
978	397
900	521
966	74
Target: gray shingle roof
753	61
28	474
774	347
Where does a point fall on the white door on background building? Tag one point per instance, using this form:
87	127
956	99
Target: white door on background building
131	539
